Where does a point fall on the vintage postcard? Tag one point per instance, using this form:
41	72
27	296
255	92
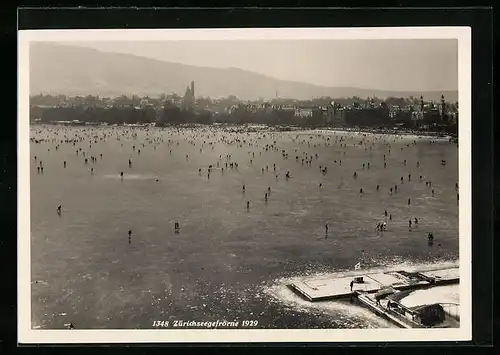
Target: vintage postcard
244	185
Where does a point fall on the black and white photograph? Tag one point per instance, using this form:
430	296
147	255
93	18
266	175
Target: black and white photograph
243	185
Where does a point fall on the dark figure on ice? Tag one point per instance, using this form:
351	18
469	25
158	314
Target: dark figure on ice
38	169
409	201
248	205
432	192
129	163
130	236
351	284
64	164
409	224
59	210
176	227
378	187
385	165
265	197
385	213
243	188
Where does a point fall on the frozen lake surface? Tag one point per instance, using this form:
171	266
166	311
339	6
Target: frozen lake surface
227	261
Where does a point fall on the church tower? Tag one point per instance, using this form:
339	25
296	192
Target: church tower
442	109
187	99
443	105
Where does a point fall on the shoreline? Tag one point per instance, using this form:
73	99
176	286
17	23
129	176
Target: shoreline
392	132
258	127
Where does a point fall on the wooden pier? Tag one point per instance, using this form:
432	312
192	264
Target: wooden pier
381	292
328	288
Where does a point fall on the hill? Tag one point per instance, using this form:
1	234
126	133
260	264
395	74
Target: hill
70	70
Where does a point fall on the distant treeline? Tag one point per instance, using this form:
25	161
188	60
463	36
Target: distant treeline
110	116
173	115
170	115
134	100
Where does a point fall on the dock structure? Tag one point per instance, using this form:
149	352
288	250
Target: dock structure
381	293
443	276
404	318
322	289
411	317
328	288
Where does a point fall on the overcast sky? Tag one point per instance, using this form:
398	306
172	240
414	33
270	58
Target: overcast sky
414	65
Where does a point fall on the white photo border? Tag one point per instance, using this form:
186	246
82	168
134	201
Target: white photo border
27	335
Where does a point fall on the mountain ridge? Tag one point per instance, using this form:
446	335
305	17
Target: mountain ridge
72	70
